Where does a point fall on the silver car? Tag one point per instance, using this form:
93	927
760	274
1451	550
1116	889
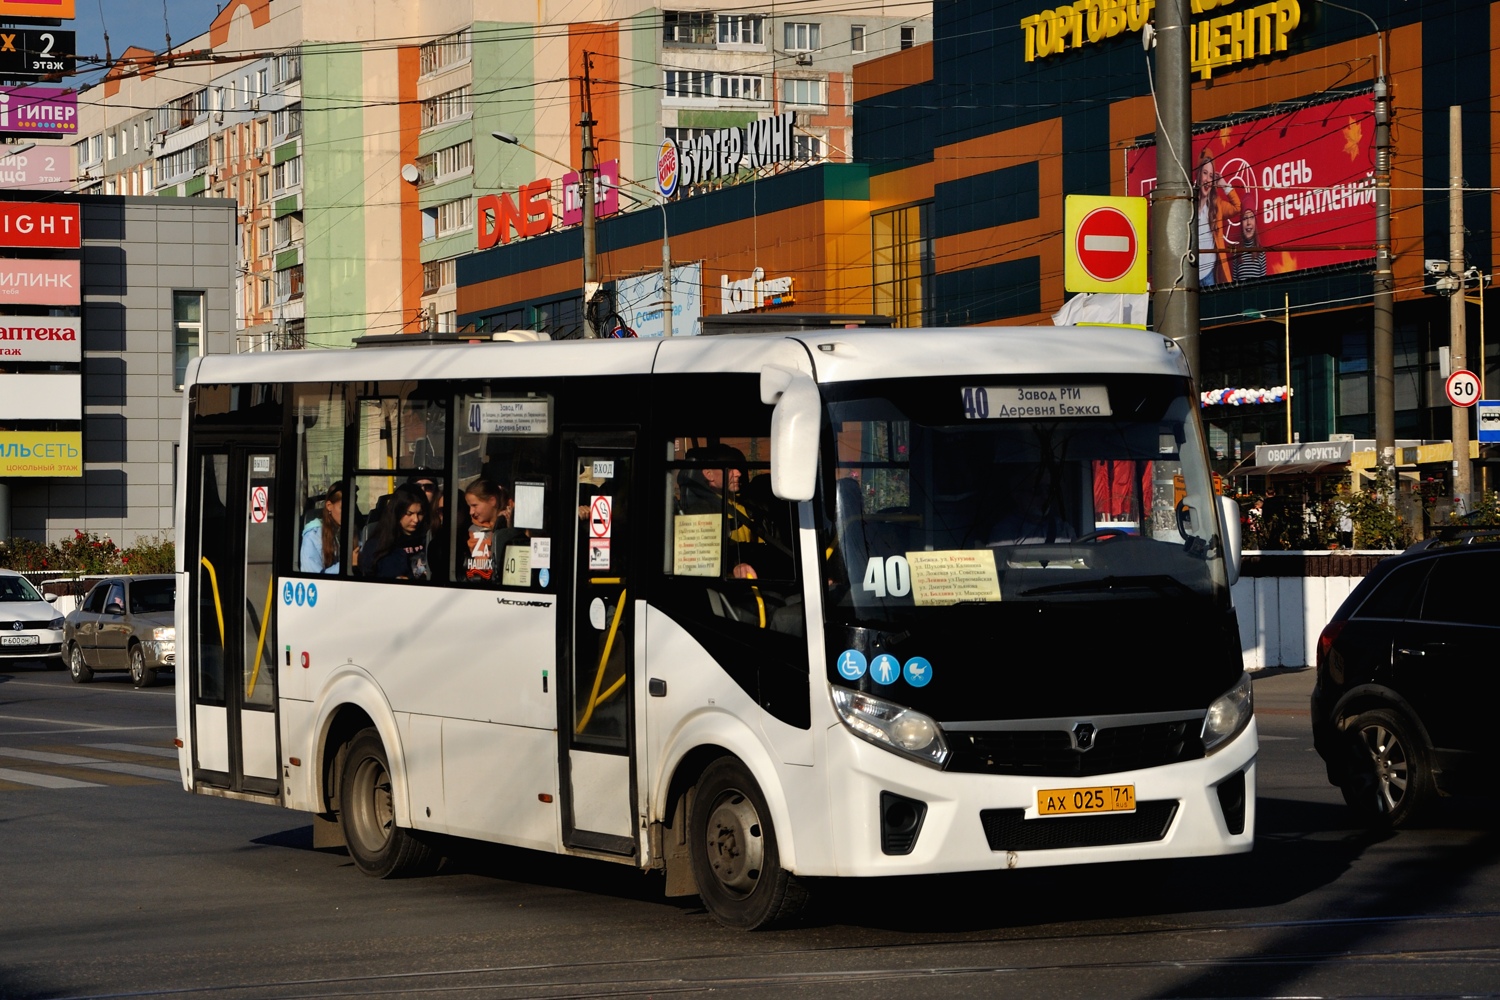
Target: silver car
125	623
29	625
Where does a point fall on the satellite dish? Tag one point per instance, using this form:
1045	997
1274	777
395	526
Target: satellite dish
410	174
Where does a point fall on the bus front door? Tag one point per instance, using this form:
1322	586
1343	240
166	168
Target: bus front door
598	780
232	618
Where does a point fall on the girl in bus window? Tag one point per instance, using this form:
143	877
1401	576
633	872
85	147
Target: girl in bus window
397	550
321	539
489	514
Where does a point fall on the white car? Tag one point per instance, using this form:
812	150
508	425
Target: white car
30	627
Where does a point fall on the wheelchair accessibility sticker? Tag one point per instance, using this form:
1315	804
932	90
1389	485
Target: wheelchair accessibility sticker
852	664
299	594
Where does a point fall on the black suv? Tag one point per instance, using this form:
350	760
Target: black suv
1408	674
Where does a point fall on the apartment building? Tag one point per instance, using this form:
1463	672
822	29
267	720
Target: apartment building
356	137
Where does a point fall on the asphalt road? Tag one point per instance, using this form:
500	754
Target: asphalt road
115	882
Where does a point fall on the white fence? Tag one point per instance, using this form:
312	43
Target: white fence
1281	617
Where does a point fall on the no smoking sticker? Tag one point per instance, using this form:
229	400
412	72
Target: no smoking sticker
600	517
260	504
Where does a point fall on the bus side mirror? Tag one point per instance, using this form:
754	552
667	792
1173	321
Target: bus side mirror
794	430
1229	514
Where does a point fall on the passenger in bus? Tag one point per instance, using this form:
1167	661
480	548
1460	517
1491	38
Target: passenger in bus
713	490
397	549
490	512
439	535
322	541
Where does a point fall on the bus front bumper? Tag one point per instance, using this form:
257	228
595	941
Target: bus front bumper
894	816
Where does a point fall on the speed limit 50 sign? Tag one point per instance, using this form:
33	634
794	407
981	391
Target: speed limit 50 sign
1463	388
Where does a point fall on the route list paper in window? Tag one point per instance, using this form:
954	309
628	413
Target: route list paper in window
953	575
696	541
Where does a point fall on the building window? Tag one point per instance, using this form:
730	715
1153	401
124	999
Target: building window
908	37
288	121
439	274
187	332
803	92
263	132
446	162
287	174
261	76
682	136
444	52
183	162
801	36
289	283
263	185
446	107
286	229
856	38
686	83
688	27
742	88
265	293
902	264
806	147
455	215
288	67
265	241
741	29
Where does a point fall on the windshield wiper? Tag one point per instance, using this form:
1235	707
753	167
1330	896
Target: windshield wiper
1165	585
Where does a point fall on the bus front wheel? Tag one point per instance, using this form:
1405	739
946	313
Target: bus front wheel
367	814
735	860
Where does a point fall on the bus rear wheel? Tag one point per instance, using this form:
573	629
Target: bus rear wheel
367	814
736	863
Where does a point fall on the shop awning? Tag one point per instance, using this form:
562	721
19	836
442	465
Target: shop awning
1249	468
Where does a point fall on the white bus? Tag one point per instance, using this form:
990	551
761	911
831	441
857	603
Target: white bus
756	609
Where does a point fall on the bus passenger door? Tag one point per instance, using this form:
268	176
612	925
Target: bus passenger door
232	617
598	785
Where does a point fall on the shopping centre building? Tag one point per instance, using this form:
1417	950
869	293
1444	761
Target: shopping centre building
951	212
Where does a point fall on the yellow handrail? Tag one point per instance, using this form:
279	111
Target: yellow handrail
609	642
213	578
265	623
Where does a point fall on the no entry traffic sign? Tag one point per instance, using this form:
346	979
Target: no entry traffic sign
1106	244
1463	388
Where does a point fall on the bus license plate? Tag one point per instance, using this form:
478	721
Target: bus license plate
18	640
1098	799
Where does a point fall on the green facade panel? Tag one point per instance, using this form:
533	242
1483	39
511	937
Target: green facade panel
288	258
195	185
288	205
333	195
287	151
506	74
715	119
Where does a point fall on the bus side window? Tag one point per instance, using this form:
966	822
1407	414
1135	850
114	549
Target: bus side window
503	446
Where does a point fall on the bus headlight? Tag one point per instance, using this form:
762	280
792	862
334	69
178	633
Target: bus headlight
1229	715
891	726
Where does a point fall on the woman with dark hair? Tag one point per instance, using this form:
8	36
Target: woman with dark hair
397	549
322	541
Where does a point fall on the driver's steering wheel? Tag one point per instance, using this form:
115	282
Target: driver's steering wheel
1099	533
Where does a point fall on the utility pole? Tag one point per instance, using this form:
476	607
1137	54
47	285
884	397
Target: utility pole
1384	346
586	182
1457	331
1174	230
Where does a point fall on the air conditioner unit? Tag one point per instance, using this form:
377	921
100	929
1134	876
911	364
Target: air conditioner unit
218	118
255	104
804	58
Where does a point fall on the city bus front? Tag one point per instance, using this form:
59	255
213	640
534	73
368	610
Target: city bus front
1029	643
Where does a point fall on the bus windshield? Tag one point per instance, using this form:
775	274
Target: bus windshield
989	489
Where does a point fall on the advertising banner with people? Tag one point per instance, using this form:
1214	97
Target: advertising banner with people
1283	192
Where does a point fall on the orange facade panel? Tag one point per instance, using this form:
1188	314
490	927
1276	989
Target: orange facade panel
887	73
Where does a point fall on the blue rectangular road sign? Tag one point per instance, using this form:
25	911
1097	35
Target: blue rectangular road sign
1489	420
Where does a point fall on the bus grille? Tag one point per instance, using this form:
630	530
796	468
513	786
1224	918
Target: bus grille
1050	753
1009	830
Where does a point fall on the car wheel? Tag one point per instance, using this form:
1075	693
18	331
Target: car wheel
77	669
140	675
1389	779
367	814
735	860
